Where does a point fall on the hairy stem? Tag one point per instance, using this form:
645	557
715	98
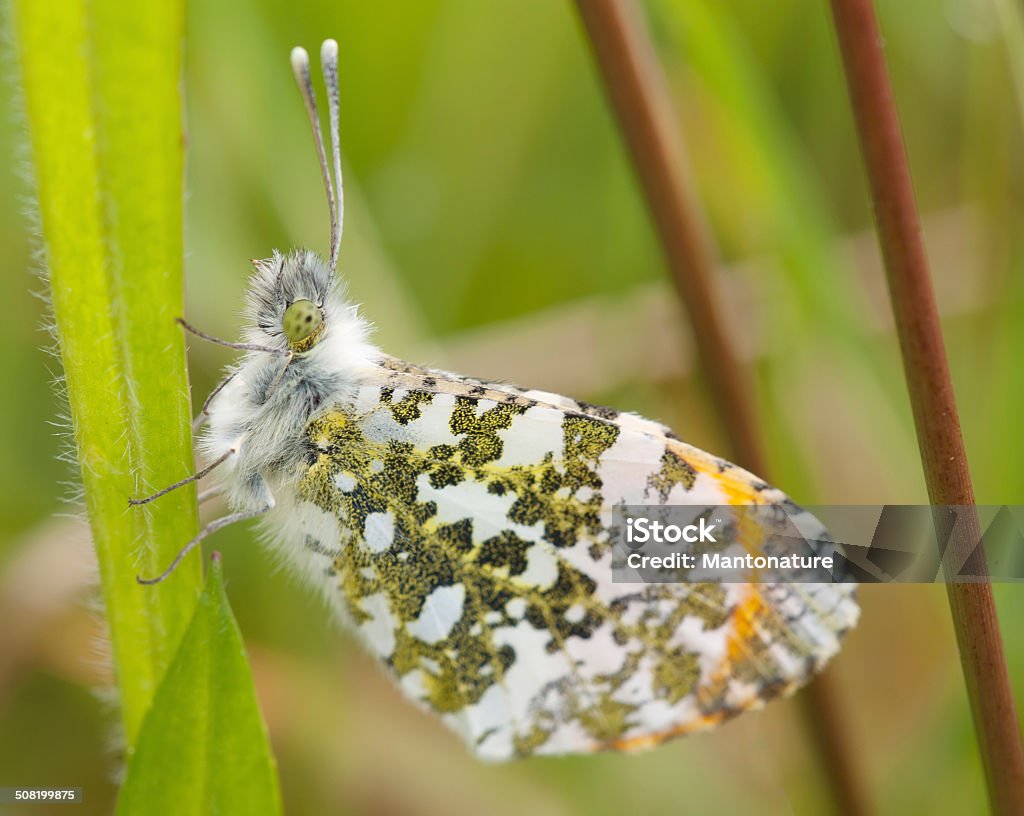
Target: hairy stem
101	83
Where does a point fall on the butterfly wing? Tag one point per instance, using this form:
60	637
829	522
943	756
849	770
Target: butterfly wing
476	563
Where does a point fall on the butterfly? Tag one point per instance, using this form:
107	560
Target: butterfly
461	527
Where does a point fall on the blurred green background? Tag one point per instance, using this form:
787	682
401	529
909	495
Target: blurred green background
494	227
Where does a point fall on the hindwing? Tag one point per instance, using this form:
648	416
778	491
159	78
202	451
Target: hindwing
474	558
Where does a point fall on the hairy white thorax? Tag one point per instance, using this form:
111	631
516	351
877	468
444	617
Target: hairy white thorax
261	411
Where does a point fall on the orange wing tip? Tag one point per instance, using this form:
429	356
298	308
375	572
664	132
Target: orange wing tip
645	742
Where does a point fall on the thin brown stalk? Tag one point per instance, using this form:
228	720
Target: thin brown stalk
931	393
636	88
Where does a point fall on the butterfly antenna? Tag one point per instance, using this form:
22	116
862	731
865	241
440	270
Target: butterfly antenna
329	62
300	67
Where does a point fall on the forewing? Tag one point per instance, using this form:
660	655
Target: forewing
477	564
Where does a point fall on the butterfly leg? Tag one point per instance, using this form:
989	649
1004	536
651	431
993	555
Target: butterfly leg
208	530
263	500
204	412
195	477
212	493
199	420
280	374
228	343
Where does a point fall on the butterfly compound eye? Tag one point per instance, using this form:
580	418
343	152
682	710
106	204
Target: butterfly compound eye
302	324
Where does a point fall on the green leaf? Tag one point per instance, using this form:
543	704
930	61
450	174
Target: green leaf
102	94
203	748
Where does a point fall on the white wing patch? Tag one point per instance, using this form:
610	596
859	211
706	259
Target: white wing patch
442	609
380	532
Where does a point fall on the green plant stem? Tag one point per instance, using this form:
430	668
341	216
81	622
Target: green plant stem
101	84
931	393
636	88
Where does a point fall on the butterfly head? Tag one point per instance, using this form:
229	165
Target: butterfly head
290	301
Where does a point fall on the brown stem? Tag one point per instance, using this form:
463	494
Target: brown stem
637	91
931	392
636	87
